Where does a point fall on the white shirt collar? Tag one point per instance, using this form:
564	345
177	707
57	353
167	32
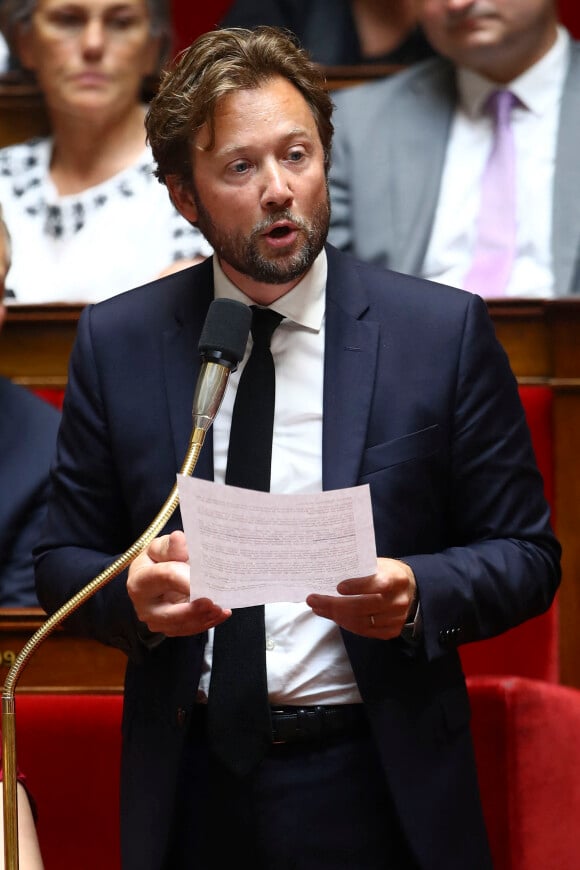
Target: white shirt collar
535	88
304	304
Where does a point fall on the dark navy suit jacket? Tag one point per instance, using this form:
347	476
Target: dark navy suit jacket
28	427
420	403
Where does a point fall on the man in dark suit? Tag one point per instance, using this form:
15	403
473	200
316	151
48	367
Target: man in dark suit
28	427
381	379
340	32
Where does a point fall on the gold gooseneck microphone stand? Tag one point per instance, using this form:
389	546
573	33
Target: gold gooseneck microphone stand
210	389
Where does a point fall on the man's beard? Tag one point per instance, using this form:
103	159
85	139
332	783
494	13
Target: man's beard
242	253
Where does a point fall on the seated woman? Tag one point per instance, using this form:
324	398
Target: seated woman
29	855
87	215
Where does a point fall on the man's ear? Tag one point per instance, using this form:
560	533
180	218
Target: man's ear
182	197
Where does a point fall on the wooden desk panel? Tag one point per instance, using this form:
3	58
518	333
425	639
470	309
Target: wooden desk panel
22	113
36	342
542	340
62	663
338	77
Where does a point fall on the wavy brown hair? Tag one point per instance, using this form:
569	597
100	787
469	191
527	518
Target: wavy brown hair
218	63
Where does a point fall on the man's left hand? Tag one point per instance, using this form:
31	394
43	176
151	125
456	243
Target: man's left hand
375	606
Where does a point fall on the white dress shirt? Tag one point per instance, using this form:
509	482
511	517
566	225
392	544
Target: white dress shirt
87	246
305	656
535	126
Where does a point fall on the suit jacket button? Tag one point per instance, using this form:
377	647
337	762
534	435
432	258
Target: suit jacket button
181	717
444	637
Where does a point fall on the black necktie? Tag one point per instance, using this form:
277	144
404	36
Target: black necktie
239	726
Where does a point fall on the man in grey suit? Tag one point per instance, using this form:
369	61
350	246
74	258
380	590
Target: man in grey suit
409	151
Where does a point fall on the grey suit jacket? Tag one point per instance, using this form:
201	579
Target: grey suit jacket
388	155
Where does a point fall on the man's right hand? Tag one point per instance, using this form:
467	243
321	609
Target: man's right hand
158	584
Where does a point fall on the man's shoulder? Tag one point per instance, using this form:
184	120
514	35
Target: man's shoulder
22	411
387	291
155	304
19	396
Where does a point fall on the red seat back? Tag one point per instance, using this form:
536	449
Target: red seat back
69	747
528	756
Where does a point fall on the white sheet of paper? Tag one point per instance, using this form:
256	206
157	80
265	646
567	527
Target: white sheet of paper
248	547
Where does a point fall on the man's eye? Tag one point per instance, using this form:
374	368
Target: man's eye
240	167
295	156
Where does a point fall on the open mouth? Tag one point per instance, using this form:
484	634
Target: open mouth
280	232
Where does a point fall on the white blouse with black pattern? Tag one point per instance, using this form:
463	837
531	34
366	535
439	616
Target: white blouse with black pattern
92	245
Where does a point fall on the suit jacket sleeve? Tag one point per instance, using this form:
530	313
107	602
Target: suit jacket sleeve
500	563
88	524
28	427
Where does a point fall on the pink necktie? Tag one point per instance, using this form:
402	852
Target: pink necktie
495	245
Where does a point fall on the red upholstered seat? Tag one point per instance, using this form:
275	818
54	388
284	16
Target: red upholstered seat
526	741
69	747
528	758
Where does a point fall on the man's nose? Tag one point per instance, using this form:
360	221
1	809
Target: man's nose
276	188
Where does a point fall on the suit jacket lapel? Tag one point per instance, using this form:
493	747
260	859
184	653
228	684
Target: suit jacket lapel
565	239
350	353
182	365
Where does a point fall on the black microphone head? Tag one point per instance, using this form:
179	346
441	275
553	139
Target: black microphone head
225	332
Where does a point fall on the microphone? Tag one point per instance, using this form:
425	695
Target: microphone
222	345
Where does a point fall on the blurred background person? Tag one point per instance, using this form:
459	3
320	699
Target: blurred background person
341	32
4	55
29	855
86	214
28	427
412	183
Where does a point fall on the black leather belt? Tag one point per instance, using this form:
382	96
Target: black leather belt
299	724
308	724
